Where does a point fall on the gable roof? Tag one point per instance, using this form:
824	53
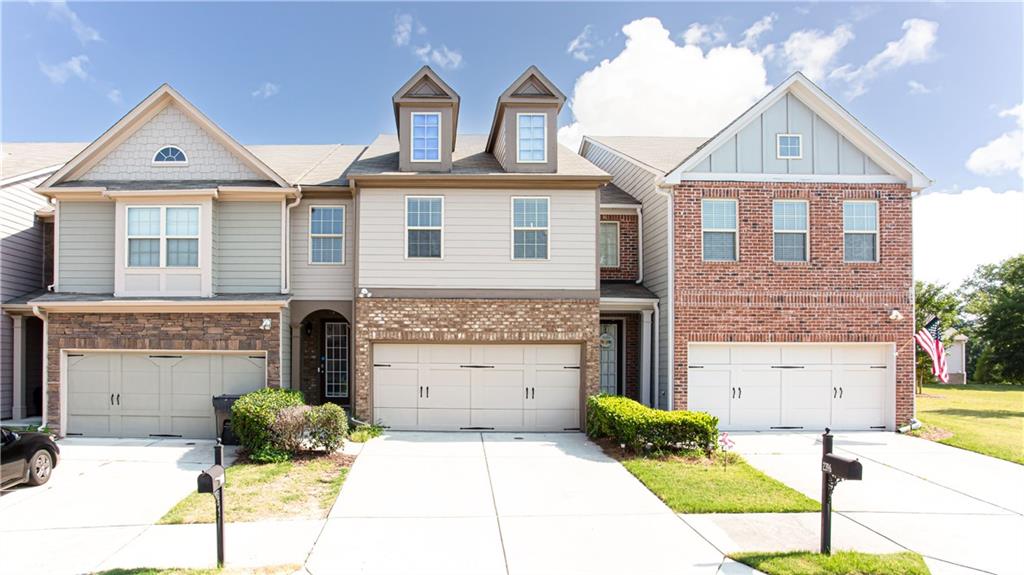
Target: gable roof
20	160
531	87
426	86
162	97
659	153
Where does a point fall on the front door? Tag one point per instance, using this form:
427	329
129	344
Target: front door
611	372
334	365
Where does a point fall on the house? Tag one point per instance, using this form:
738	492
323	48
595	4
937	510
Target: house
440	280
778	249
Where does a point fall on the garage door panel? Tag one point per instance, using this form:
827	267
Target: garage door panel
708	354
396	353
807	397
402	389
755	354
861	399
192	427
710	390
141	426
557	378
504	354
442	419
552	419
860	354
497	419
806	355
453	354
499	389
94	425
395	417
242	374
557	354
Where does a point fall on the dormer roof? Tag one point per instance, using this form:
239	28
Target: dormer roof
531	87
426	87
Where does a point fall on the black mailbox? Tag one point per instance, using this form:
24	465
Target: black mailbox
211	480
842	467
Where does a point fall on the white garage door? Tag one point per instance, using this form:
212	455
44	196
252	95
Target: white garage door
500	387
154	394
798	386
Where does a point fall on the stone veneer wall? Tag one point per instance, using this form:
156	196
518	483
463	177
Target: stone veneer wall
825	299
479	321
156	331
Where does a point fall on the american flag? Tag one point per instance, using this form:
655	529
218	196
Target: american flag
928	339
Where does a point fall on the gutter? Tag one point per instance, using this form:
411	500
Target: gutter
286	240
42	315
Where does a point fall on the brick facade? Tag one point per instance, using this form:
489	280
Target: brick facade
479	321
155	331
756	299
310	350
629	248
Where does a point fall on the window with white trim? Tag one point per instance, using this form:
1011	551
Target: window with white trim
424	220
718	228
163	236
860	231
789	146
326	235
531	138
530	227
170	156
426	137
608	243
789	225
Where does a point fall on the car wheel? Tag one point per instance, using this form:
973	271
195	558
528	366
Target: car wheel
40	467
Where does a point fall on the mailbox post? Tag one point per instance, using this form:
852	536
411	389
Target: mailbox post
212	481
834	468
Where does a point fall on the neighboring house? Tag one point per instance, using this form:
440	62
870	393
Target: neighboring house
778	249
956	358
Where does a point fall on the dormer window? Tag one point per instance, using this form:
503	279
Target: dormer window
789	146
170	156
531	138
426	137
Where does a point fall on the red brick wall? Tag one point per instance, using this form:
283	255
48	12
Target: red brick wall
632	367
757	299
629	250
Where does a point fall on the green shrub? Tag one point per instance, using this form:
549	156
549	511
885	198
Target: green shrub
289	428
365	432
638	426
327	426
253	417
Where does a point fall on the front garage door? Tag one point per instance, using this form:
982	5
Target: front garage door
501	387
154	394
797	386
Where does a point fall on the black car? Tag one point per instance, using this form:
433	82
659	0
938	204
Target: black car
26	457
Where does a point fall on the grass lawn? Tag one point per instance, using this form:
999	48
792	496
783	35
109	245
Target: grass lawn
700	485
278	570
988	419
839	563
303	488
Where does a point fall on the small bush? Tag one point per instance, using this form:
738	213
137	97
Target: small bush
327	426
638	426
253	417
289	429
365	432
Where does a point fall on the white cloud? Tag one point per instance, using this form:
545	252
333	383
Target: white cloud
115	96
956	232
813	51
1003	154
916	87
266	90
405	25
914	46
580	46
699	34
752	34
59	10
442	57
650	86
62	72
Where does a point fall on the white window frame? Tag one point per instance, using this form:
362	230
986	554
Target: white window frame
735	231
512	237
878	232
163	237
412	139
519	158
806	231
618	243
408	228
169	164
778	146
310	235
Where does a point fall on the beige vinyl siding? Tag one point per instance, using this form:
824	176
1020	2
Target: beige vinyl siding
501	150
477	242
249	247
85	247
320	281
214	243
640	183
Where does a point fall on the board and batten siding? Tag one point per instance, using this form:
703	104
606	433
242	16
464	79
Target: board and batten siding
640	183
85	247
21	267
320	281
752	150
248	247
477	242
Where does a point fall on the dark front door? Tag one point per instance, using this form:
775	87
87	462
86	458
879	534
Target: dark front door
334	362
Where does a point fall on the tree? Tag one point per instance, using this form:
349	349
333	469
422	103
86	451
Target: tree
998	302
932	300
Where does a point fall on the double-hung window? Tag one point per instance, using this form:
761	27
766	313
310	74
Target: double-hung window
531	138
789	219
426	137
718	226
326	234
860	231
609	244
530	228
424	221
162	236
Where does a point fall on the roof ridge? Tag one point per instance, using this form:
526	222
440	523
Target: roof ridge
317	164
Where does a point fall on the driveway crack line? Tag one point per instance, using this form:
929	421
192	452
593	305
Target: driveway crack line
494	502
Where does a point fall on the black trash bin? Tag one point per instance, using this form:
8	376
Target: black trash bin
222	408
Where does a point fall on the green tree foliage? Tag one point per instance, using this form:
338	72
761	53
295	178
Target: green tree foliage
932	300
994	301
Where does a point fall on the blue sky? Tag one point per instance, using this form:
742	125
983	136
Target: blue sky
938	81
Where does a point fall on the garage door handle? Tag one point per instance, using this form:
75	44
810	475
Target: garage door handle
734	393
428	392
741	393
421	391
840	393
119	399
533	393
111	399
834	392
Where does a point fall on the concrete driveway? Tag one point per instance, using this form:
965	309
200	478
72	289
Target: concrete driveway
451	503
963	511
103	495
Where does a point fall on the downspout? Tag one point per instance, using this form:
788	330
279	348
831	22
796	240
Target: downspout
286	240
42	315
640	244
656	343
